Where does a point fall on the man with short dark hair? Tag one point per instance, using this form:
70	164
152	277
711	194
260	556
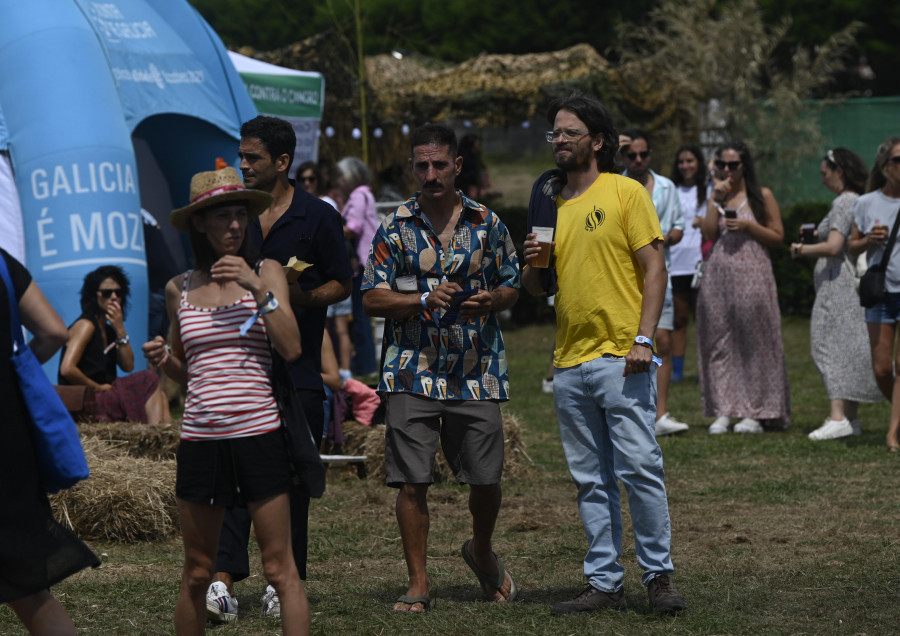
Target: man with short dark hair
440	269
609	274
671	221
301	225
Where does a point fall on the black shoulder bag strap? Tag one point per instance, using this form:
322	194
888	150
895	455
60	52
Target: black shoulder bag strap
889	248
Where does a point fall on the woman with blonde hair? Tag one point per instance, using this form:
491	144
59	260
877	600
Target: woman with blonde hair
874	215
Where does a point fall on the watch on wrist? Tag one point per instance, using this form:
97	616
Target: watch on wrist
123	340
644	341
424	300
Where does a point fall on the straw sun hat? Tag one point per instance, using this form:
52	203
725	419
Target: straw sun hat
216	187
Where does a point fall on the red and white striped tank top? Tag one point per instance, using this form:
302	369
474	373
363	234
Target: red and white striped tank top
229	392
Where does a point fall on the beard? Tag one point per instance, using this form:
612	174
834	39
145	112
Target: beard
578	159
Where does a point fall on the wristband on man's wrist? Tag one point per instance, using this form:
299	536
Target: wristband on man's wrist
424	300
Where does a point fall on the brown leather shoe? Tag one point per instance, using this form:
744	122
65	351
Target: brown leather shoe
590	600
664	598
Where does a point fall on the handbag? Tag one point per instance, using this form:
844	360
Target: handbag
61	460
701	265
307	469
872	284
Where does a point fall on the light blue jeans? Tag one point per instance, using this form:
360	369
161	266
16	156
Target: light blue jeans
607	423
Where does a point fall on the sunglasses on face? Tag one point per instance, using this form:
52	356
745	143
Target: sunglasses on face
312	179
894	160
634	155
731	165
107	293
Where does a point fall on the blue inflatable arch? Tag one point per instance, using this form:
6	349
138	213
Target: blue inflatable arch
111	107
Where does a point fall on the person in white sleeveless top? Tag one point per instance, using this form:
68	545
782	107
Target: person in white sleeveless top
224	315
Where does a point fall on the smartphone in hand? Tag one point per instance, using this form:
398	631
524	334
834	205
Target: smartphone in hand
452	314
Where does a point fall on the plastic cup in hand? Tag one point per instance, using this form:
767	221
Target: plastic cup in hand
544	237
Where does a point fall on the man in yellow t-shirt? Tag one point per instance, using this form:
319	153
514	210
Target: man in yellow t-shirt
608	271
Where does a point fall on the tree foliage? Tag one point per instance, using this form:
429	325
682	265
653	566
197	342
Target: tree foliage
695	66
452	30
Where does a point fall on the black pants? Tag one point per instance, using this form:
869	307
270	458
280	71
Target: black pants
235	533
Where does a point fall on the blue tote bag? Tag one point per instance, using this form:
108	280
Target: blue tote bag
60	456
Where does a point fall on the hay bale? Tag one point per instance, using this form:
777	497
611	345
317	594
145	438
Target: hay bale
369	441
150	441
126	499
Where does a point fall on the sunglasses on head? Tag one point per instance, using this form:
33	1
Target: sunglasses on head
731	165
634	155
107	293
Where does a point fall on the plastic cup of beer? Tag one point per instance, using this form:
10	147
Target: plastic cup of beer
544	237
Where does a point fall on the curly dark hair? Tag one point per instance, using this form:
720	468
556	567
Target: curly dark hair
89	304
598	121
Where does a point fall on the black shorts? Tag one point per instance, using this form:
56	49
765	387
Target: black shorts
681	285
232	472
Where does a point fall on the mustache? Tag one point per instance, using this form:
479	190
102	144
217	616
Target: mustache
433	182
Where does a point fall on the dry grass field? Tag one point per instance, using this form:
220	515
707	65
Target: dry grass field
772	534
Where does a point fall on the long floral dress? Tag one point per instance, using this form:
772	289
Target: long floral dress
837	329
740	353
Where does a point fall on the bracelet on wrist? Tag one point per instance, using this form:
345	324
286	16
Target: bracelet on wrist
424	300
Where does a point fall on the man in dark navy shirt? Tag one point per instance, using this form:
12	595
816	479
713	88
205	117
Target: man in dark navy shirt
296	224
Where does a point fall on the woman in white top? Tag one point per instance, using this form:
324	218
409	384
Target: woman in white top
689	175
232	452
873	218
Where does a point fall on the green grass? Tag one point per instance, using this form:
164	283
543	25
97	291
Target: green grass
772	534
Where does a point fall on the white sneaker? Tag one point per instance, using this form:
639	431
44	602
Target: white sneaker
748	425
547	385
667	425
271	604
719	426
832	429
857	428
221	607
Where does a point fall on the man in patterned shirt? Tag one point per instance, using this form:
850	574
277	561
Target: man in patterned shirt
440	269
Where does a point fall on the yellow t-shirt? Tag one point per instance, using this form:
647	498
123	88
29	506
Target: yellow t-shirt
598	305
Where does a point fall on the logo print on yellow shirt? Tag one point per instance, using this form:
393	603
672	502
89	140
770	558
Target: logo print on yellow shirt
594	219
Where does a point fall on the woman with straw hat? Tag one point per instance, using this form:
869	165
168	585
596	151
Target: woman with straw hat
224	315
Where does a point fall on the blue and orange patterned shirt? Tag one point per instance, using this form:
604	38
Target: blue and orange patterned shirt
443	361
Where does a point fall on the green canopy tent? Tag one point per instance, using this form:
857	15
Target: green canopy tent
296	96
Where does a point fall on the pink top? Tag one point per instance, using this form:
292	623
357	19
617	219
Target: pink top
361	217
229	392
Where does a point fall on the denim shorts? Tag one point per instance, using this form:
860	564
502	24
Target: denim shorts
340	308
667	317
887	312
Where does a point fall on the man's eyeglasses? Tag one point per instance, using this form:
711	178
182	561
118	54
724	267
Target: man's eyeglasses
634	155
567	134
731	165
311	179
107	293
